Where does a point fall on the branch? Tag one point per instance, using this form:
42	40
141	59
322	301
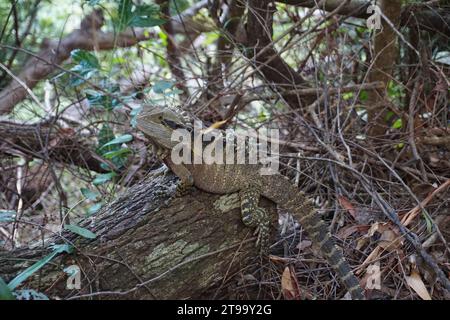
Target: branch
46	142
88	37
430	19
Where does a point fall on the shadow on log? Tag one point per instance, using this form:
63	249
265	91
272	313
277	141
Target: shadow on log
149	245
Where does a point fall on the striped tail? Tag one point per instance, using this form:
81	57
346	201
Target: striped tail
279	189
319	233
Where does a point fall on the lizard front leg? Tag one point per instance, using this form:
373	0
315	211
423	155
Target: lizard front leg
255	216
186	178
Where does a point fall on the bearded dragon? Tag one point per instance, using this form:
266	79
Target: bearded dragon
159	123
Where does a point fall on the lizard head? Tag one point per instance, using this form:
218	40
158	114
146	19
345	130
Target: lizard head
158	124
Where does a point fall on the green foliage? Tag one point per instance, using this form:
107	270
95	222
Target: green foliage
85	58
395	91
162	86
57	249
347	95
88	194
87	65
103	178
398	124
119	140
5	291
110	147
93	196
85	233
363	95
177	6
7	215
132	15
94	208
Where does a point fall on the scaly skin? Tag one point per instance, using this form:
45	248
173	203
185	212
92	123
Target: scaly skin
158	125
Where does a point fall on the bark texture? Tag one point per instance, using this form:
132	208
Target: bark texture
149	245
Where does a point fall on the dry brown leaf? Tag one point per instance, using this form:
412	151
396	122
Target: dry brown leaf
346	204
346	232
416	283
389	240
289	285
375	254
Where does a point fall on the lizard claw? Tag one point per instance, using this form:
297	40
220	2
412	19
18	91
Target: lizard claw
183	189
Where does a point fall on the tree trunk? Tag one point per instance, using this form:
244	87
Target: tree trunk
383	60
149	245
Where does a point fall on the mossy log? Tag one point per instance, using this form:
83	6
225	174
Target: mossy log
149	245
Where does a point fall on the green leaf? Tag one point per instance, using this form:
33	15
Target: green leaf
5	291
105	135
62	248
124	14
103	178
178	6
347	95
87	65
116	153
80	231
161	86
14	283
7	215
94	209
363	95
397	124
146	15
88	194
95	98
85	58
119	140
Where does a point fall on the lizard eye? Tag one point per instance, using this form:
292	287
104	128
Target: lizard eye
171	124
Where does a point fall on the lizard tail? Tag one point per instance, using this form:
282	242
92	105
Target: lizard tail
302	208
318	232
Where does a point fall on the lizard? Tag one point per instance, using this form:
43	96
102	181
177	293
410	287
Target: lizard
159	122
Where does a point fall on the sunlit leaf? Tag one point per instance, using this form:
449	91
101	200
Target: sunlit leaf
119	140
397	124
103	178
94	208
88	194
85	233
14	283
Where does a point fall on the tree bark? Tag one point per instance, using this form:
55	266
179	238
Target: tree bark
431	19
383	62
149	245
